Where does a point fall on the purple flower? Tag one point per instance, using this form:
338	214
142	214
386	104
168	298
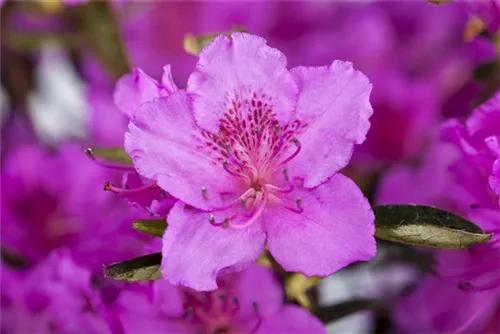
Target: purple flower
56	296
459	174
250	301
488	11
438	307
46	205
252	150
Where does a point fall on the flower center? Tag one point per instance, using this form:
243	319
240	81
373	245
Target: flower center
213	313
252	147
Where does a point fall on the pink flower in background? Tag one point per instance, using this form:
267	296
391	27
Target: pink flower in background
457	175
488	11
46	205
56	296
247	302
252	150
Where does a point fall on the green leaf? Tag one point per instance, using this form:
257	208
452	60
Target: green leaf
113	155
154	227
426	226
144	268
335	312
103	35
193	44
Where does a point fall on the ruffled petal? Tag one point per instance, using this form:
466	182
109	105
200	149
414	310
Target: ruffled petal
231	70
257	285
134	89
334	107
335	228
291	319
195	251
163	143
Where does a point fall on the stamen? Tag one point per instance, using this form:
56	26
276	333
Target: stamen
257	213
294	154
125	191
285	174
248	193
299	203
225	164
259	318
204	192
281	190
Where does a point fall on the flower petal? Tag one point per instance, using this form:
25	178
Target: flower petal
135	88
194	251
427	309
291	319
258	285
163	143
334	106
231	70
335	229
494	178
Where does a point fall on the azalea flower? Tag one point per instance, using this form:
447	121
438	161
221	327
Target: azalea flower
56	296
247	302
459	174
252	151
40	213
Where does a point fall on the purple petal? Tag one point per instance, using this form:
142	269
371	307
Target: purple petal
427	309
135	88
231	71
291	319
334	105
494	178
136	313
335	229
167	80
163	143
195	251
257	285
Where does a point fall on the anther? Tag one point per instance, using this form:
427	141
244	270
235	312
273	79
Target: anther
163	193
285	174
204	192
211	219
255	307
298	201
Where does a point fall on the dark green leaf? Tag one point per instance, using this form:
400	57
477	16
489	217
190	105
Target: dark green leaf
335	312
144	268
112	155
426	226
154	227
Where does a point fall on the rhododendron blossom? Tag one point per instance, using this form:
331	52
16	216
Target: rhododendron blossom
460	175
252	150
247	302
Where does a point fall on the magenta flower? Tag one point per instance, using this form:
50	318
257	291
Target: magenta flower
252	150
56	296
45	205
247	302
459	174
